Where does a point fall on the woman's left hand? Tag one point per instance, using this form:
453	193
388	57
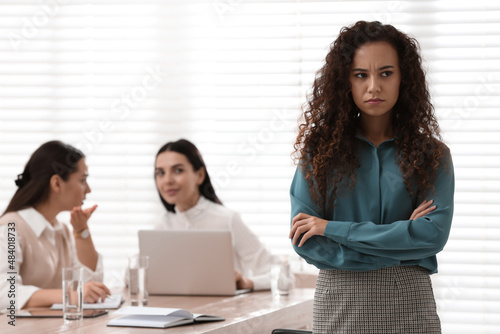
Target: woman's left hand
242	282
79	217
308	226
94	292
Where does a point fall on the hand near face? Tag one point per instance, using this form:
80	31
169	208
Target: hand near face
307	226
80	217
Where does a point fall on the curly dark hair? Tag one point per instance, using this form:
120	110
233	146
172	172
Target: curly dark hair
326	144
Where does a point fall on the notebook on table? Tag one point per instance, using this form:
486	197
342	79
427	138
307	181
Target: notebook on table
158	317
189	262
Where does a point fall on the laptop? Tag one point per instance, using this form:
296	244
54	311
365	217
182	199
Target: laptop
189	262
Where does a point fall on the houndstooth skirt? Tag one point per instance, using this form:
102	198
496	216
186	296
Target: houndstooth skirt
386	301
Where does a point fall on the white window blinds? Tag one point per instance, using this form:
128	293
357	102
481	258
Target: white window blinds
120	78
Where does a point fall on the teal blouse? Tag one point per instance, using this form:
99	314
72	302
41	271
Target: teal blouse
369	227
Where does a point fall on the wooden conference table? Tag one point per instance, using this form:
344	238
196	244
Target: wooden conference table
255	312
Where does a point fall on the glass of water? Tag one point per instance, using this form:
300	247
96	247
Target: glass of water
138	280
72	294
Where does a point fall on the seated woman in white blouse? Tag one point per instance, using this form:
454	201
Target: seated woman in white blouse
54	180
188	195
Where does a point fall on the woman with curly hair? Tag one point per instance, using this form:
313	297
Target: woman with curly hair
372	197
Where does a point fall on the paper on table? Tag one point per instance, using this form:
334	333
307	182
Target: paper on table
111	302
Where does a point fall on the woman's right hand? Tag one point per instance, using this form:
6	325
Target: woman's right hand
423	209
80	217
95	291
307	226
242	282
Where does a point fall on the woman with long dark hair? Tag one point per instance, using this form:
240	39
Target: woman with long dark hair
187	193
53	180
372	197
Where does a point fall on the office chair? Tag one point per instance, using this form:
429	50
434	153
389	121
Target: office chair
290	331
